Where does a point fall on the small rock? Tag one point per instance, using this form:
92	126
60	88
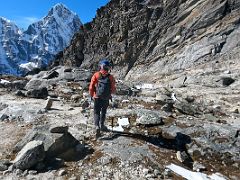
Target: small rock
182	156
48	104
59	129
150	176
72	178
156	172
20	93
167	173
25	173
145	171
3	116
32	172
105	160
3	167
6	172
18	172
11	168
227	72
198	166
62	172
237	133
75	98
236	111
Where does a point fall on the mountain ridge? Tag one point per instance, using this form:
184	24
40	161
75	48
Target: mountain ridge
174	35
38	45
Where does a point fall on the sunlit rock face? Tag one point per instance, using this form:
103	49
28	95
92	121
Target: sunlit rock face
157	37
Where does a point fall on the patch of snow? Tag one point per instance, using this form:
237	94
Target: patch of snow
145	86
29	66
3	81
190	175
121	122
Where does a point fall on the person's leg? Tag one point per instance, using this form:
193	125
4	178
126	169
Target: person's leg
97	109
105	104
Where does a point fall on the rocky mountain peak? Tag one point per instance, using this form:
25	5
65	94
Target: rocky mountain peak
60	11
38	45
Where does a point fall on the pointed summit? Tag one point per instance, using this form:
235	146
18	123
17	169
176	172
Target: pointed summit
60	10
39	43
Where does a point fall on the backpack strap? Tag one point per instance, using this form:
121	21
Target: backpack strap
100	75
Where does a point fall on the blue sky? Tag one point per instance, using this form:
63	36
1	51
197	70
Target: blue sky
25	12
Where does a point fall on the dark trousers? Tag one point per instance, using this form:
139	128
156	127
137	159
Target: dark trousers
100	110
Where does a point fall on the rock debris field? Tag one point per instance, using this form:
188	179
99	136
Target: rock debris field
156	131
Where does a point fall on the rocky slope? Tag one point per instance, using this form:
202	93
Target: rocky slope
152	129
178	105
36	47
146	38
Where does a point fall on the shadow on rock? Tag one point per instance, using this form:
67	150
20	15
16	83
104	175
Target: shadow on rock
178	143
47	147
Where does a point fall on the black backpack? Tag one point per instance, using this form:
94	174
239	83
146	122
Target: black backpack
103	89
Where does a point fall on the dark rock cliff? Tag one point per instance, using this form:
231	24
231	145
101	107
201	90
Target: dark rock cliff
157	37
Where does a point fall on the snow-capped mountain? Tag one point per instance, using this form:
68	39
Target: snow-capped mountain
21	51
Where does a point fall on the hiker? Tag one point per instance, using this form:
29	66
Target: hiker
101	88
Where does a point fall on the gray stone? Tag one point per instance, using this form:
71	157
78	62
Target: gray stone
58	129
198	166
55	144
7	172
18	172
40	93
32	153
163	99
75	98
149	118
182	156
3	166
16	85
123	89
105	160
48	104
187	108
32	172
3	117
51	74
62	172
20	93
25	173
226	81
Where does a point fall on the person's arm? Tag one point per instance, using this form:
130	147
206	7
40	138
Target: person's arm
92	86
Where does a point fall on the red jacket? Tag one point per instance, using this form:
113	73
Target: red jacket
94	82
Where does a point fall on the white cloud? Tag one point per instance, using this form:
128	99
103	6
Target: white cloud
24	22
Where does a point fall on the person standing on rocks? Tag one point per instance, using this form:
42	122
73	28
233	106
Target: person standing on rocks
101	88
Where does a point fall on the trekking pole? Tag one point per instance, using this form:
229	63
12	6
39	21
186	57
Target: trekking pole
112	124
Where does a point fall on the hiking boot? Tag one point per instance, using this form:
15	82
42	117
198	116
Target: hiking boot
104	128
98	134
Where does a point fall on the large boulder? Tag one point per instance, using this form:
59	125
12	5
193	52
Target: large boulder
56	140
40	93
32	153
16	85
